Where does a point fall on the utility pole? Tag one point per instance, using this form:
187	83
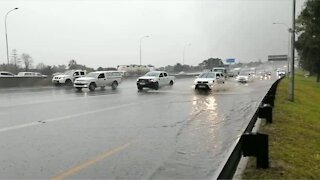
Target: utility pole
291	93
5	25
140	46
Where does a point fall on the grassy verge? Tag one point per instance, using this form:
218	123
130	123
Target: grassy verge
294	136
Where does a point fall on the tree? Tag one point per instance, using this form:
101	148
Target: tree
178	67
7	67
72	64
211	62
27	61
60	68
41	66
100	69
48	70
308	43
110	69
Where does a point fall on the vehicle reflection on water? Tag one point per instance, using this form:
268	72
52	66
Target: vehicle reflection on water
196	139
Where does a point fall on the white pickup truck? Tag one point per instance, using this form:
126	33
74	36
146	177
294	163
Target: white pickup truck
68	77
155	79
207	80
99	79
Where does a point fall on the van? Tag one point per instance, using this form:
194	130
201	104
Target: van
30	74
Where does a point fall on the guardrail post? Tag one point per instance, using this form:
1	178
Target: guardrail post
256	144
265	111
269	99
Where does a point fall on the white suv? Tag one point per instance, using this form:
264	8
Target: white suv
207	80
68	77
99	79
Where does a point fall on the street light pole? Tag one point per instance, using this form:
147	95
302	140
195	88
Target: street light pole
140	46
293	37
288	61
5	25
183	52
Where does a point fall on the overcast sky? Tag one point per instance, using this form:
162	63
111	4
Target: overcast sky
107	33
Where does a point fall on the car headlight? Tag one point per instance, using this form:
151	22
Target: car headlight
137	80
152	80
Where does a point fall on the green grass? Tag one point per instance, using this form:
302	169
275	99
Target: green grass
294	135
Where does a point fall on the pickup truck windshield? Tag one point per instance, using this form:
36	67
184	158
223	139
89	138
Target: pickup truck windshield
68	72
244	73
155	74
207	75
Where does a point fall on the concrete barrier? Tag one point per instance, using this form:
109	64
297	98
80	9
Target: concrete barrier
6	82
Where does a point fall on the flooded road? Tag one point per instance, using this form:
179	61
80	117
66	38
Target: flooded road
175	132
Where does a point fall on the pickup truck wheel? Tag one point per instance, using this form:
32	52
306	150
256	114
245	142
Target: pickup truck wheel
68	82
156	86
114	85
79	88
140	87
92	86
171	83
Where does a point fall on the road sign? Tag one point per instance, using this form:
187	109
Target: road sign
277	58
230	60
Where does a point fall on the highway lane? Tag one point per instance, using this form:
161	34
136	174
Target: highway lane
171	133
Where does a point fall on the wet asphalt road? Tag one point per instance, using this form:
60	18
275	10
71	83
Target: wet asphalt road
171	133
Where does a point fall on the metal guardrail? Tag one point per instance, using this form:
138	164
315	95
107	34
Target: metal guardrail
232	162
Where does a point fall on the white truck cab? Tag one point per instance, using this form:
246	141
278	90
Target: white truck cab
68	77
222	70
99	79
155	79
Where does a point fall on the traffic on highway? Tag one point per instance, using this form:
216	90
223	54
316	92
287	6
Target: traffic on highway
137	89
170	133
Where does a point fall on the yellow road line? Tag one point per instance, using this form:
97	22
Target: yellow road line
89	162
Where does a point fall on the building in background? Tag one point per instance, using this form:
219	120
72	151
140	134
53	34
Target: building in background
133	69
